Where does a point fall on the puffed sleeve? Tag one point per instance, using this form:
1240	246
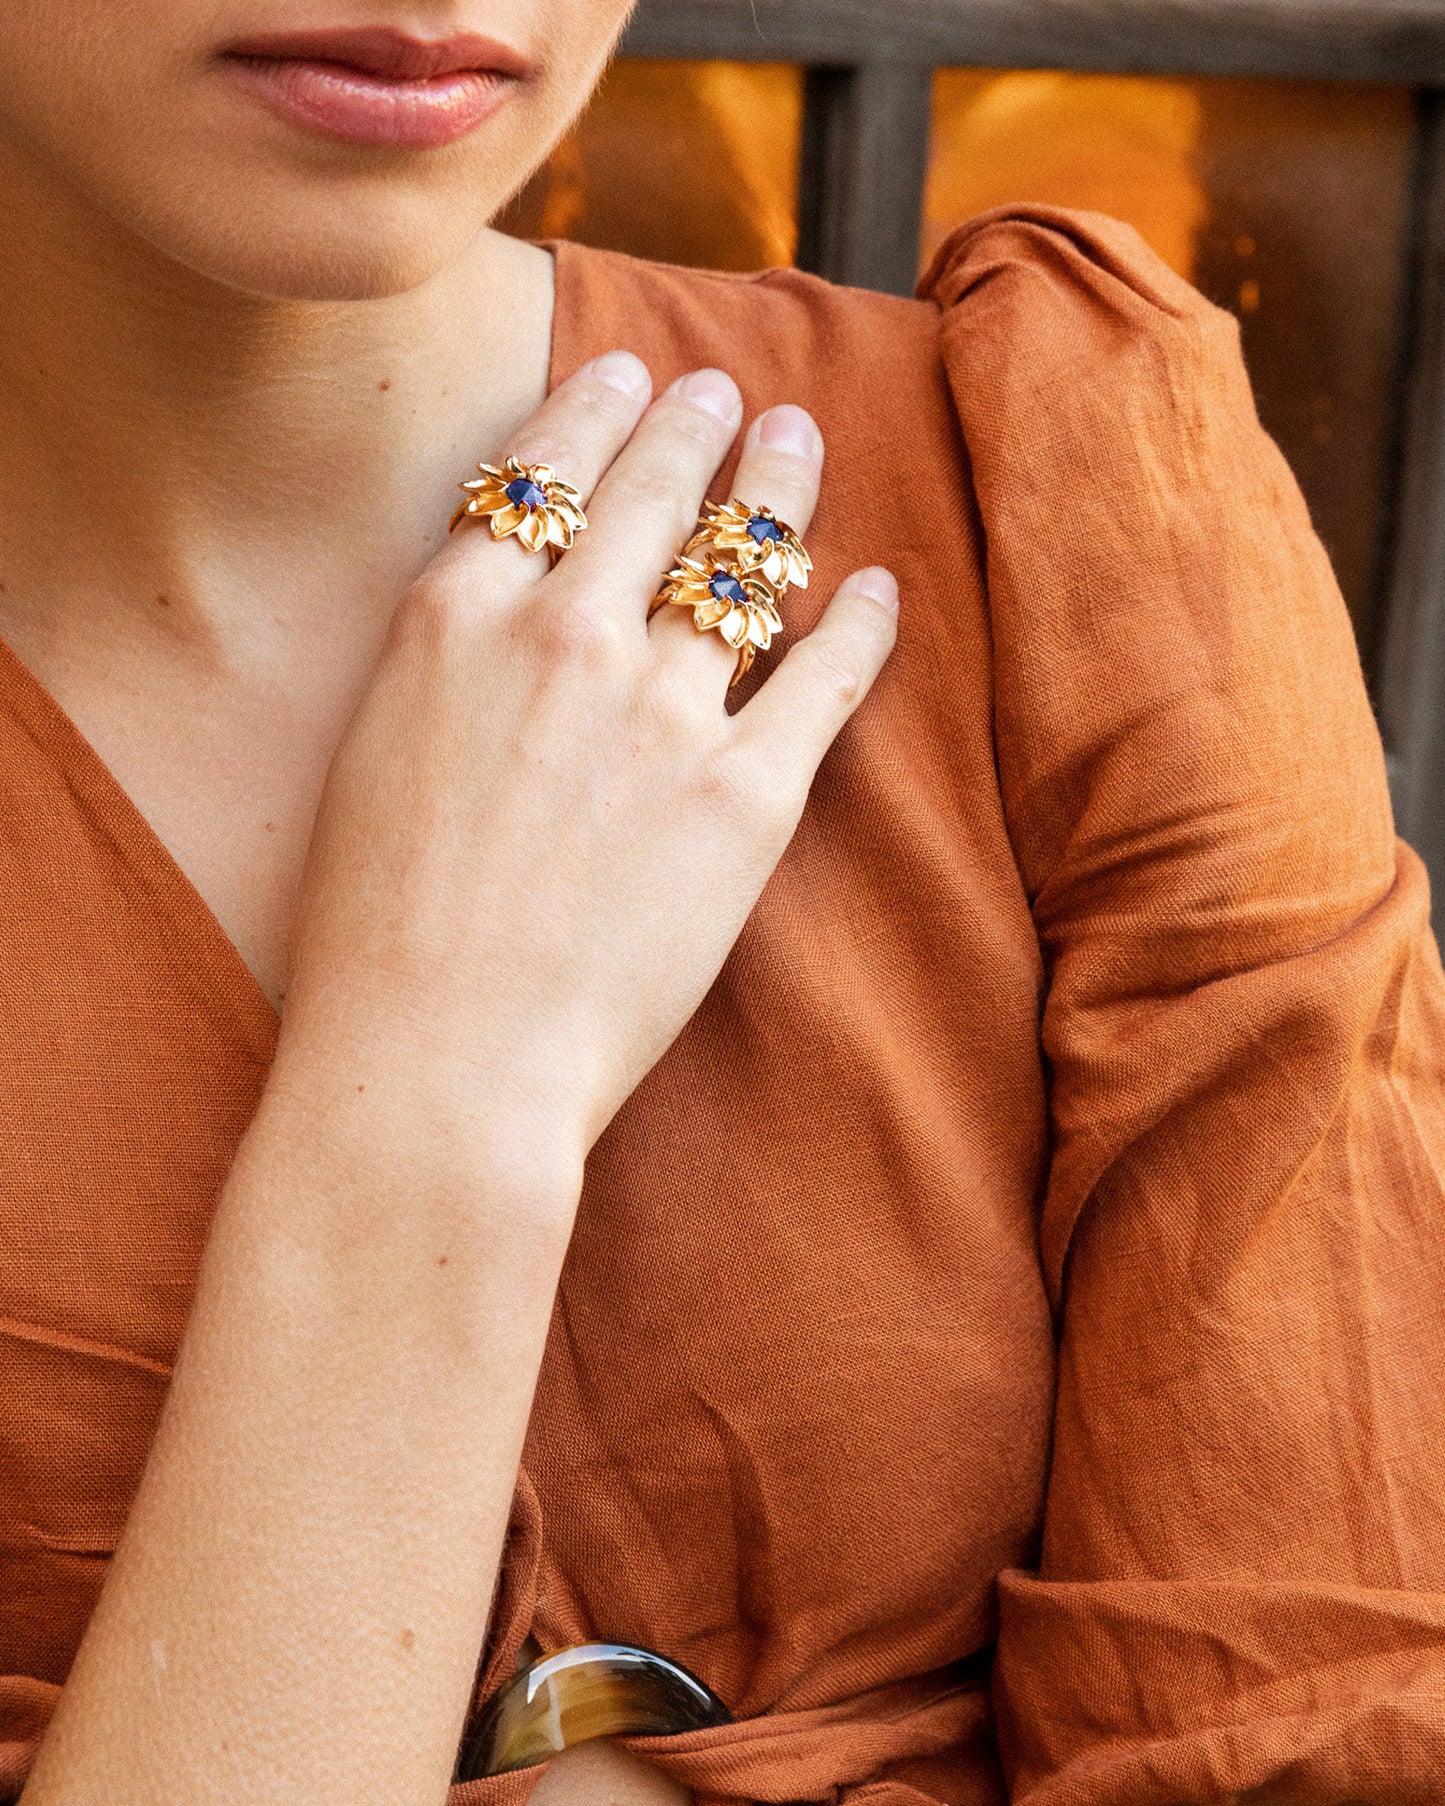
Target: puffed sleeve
1242	1577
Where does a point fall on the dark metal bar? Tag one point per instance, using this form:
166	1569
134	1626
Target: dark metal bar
865	152
1317	40
1411	680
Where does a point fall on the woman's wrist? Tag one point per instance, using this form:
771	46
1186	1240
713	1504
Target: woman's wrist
405	1179
454	1052
405	1084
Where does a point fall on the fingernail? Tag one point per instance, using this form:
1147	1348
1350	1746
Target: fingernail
790	429
622	371
881	585
714	391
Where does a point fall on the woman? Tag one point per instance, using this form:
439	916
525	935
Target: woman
1082	1003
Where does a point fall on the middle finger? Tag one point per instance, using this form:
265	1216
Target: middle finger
647	502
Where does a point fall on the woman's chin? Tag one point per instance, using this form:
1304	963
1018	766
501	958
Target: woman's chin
335	271
337	252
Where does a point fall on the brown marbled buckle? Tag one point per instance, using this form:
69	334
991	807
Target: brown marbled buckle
594	1690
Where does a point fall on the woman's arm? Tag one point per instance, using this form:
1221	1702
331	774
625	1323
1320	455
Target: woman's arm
538	842
1240	1591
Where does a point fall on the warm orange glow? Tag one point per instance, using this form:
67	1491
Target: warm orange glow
684	162
1113	143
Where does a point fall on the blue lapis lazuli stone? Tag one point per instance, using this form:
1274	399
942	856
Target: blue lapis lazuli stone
727	589
763	531
522	492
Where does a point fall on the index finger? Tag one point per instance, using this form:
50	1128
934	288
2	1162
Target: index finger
578	430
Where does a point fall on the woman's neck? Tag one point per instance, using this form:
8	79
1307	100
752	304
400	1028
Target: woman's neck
174	453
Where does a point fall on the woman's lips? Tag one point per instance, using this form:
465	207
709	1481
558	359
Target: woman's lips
376	86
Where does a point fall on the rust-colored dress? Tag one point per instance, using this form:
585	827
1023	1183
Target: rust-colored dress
1035	1243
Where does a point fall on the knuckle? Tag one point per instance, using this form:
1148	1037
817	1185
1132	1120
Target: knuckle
675	705
536	445
598	397
571	626
732	786
647	480
434	611
834	673
676	419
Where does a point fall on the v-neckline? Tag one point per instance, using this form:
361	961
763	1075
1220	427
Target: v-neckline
113	810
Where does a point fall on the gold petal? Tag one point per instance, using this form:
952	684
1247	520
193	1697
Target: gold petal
735	628
559	529
711	612
507	519
533	531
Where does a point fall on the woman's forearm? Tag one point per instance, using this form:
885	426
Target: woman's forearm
297	1606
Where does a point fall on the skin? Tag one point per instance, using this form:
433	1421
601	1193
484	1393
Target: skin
487	834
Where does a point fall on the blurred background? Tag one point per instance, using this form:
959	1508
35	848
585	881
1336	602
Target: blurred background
1292	170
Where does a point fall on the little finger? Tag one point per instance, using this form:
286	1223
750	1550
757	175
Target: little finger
797	714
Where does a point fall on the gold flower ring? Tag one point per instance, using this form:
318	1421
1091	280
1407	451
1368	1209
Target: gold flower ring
758	540
530	500
741	607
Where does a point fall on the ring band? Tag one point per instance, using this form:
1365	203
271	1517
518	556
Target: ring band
733	573
530	500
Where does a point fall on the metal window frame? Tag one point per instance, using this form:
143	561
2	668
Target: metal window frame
870	65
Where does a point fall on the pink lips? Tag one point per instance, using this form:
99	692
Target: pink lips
374	85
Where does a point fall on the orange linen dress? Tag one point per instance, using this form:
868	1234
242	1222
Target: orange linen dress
1036	1242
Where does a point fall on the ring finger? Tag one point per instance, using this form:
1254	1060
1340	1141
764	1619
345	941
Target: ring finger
780	469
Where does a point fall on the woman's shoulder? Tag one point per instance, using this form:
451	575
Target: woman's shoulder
771	329
1042	287
1043	256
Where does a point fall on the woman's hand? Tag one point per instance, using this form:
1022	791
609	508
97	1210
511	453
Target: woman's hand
544	832
538	842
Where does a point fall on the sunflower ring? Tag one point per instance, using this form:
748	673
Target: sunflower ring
530	500
741	607
757	540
